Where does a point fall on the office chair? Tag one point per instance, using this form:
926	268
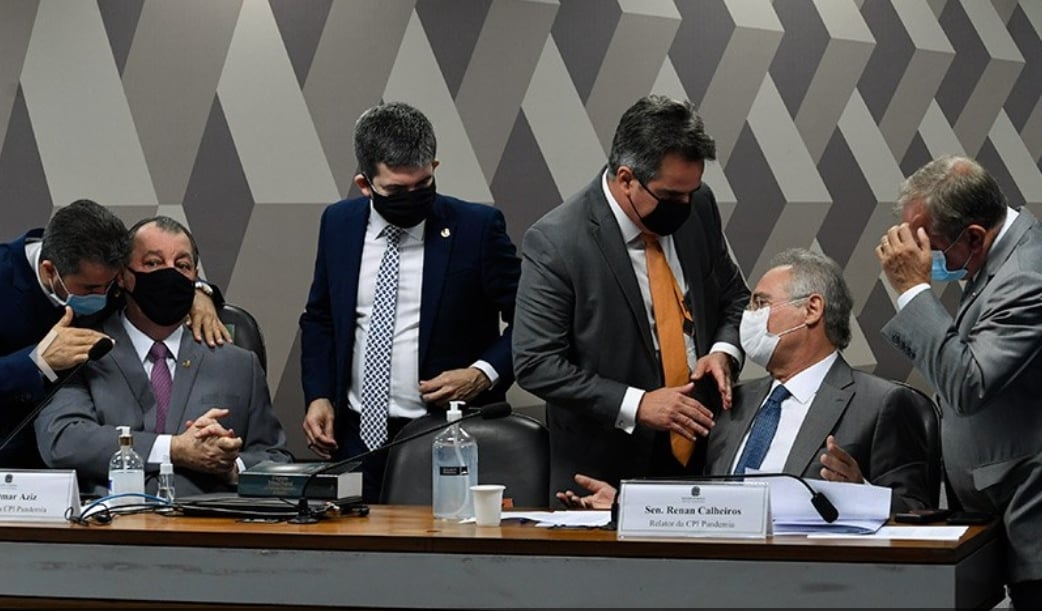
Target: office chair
514	451
930	416
245	331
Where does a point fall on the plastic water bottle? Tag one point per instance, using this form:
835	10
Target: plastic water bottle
126	470
454	469
166	482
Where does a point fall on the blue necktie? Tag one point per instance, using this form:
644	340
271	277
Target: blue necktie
376	375
763	429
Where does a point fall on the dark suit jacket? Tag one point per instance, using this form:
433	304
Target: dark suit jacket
26	315
470	273
874	420
582	336
77	428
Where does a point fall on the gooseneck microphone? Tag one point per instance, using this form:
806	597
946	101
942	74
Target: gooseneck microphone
98	350
821	503
305	515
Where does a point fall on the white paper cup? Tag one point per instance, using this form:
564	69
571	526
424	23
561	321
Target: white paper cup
488	503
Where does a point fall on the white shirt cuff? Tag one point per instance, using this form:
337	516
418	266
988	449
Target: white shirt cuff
627	419
731	351
41	364
906	297
160	450
489	371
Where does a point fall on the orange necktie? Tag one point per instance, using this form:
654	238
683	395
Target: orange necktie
667	304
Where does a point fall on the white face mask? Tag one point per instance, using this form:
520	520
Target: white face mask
757	341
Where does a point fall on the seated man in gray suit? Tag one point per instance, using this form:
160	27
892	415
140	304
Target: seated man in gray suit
814	416
205	410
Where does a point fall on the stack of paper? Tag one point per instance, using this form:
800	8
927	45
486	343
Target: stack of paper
863	508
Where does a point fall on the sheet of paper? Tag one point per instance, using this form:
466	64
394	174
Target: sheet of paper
924	533
573	519
790	500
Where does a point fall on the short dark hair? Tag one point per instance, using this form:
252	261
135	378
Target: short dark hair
84	232
654	127
815	273
395	134
168	225
956	192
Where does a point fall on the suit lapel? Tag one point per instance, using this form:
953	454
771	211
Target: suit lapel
130	366
438	237
996	259
346	261
832	399
684	243
608	237
190	357
751	396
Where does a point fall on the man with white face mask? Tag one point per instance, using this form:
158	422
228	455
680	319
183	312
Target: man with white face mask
814	416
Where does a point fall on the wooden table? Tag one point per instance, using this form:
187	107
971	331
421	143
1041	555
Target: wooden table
401	557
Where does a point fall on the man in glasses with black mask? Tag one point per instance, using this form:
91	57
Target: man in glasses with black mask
629	306
409	290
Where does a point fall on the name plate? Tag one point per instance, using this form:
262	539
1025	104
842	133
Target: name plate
671	509
32	495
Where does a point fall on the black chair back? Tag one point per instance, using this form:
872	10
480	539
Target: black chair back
514	451
930	416
245	331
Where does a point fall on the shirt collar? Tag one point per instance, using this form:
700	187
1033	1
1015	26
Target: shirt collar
1011	215
805	384
33	247
377	224
630	231
143	343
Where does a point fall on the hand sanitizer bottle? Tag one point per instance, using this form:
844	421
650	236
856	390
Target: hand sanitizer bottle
126	470
454	457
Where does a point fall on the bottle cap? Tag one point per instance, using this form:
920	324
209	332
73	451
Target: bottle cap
455	411
124	431
166	469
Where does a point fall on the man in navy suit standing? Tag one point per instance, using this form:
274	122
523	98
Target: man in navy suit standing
409	290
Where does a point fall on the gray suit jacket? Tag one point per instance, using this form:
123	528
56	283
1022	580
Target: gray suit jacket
77	428
986	366
581	332
874	420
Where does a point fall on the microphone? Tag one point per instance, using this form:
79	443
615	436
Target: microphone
98	350
305	515
821	503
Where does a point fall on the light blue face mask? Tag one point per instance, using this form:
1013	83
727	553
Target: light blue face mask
82	305
939	269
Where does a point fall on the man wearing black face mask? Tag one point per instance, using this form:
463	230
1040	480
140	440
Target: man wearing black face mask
629	299
405	307
205	410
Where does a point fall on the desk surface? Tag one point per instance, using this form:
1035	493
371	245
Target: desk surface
408	541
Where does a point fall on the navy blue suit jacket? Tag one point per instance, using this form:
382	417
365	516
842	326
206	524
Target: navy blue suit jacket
470	275
26	315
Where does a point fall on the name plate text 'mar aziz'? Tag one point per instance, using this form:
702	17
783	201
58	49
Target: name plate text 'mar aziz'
675	509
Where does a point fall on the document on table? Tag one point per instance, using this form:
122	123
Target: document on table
862	508
567	519
923	533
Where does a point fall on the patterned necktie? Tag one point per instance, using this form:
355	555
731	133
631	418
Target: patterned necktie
667	305
376	376
162	383
763	429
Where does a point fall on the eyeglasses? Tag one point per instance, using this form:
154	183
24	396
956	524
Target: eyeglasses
756	302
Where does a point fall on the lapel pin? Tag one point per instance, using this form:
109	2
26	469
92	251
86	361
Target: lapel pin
186	363
445	232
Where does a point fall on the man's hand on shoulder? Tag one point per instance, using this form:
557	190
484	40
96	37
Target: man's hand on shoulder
204	322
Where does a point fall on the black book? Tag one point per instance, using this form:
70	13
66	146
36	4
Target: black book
286	480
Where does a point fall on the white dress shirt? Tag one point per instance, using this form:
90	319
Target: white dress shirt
627	419
405	400
803	387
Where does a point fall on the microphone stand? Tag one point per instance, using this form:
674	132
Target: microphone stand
304	513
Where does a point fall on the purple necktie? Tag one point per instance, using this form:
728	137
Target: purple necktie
161	382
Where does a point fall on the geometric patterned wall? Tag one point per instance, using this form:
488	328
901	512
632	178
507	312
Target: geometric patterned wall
236	117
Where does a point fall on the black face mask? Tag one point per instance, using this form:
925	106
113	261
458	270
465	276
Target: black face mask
667	216
407	208
165	296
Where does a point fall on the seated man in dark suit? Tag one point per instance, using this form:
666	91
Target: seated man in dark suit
205	410
814	416
55	284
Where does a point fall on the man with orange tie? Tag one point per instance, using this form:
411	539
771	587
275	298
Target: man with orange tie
629	305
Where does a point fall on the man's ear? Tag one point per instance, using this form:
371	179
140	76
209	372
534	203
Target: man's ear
363	185
815	309
975	236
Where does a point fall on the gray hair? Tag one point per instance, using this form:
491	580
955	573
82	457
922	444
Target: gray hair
396	135
814	273
654	127
955	192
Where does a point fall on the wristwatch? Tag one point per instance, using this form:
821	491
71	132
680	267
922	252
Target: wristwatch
204	287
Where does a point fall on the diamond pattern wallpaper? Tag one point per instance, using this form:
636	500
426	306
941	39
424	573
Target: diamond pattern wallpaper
236	117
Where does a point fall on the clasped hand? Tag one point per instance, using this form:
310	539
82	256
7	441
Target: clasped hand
206	446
